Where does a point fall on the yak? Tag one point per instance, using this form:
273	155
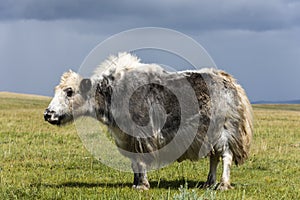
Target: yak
156	116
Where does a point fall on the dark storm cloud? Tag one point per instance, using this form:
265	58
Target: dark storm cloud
254	15
257	41
71	9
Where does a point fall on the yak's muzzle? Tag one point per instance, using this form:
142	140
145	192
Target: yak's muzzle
51	117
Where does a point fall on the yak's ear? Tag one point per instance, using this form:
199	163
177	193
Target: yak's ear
85	85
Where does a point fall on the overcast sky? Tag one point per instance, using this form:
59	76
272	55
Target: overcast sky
256	41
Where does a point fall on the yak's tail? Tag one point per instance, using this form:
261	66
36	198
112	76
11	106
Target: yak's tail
241	141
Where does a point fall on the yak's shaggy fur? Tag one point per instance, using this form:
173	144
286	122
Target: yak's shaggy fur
223	111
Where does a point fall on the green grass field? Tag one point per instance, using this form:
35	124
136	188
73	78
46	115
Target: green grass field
41	161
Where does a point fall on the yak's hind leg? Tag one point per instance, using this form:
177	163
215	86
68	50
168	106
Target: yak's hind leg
212	175
225	180
140	180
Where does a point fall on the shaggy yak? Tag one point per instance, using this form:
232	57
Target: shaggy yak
218	124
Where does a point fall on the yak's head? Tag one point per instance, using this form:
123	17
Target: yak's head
71	99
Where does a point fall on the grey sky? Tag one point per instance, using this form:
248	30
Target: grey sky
256	41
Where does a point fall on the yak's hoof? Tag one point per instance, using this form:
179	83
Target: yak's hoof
141	187
210	183
206	185
224	186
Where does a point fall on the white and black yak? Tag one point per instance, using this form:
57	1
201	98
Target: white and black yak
207	108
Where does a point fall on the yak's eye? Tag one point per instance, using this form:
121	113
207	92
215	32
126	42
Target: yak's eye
69	92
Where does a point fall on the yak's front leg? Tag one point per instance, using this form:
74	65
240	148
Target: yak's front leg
140	180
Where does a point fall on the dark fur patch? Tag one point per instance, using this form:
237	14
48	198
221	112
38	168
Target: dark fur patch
85	86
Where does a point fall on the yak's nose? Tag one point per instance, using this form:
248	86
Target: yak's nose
51	117
48	114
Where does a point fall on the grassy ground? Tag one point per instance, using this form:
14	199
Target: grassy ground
40	161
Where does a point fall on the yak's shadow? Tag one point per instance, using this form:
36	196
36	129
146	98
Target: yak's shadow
77	184
173	184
